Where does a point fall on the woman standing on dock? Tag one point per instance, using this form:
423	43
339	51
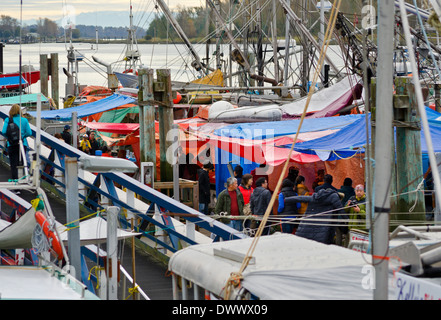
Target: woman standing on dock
11	130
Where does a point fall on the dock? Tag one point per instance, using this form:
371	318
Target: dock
151	274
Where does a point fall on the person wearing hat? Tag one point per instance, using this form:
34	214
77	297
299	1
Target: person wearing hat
66	135
324	206
204	187
356	207
85	144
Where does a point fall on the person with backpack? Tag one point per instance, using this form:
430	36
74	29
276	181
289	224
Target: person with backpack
14	130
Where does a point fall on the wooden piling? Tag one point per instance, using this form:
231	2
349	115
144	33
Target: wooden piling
147	141
55	84
163	90
44	74
409	171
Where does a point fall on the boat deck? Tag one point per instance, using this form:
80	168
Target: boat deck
151	275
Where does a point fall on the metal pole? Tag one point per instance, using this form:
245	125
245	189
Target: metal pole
112	253
383	150
175	162
275	45
75	129
287	47
73	215
38	143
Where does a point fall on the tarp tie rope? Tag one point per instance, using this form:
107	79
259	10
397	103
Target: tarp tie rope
232	281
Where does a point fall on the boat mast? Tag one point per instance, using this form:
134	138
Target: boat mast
197	64
132	57
297	22
275	44
383	150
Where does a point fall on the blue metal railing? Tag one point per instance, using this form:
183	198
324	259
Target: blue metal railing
104	187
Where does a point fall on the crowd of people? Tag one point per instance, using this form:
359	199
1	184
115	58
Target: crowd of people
324	214
88	142
311	214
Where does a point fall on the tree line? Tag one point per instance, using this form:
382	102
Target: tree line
191	19
47	30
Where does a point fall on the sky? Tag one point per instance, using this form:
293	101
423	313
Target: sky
53	9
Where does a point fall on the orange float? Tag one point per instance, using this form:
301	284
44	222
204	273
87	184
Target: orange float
55	243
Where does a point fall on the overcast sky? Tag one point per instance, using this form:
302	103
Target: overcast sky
53	9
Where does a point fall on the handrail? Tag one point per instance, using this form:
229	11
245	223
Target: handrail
104	186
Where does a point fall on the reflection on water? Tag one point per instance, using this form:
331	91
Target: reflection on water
157	56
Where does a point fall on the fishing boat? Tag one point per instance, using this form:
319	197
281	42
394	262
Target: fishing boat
11	81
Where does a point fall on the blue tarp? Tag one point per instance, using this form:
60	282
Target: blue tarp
12	81
341	144
263	130
352	138
88	109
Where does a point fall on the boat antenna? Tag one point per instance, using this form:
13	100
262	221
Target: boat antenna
20	85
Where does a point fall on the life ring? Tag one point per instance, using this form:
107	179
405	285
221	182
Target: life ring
44	224
130	71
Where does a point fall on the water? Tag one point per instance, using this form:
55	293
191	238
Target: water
90	73
156	56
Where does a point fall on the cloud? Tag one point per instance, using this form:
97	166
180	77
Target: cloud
53	9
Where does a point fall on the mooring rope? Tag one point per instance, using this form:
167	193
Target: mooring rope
236	277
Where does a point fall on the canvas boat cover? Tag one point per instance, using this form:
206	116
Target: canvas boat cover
285	267
111	102
24	98
94	231
18	234
327	101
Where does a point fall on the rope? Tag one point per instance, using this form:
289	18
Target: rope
235	277
71	226
96	268
132	291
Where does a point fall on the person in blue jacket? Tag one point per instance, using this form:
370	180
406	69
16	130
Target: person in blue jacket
287	211
14	150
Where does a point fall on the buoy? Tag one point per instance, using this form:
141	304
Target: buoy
178	98
56	245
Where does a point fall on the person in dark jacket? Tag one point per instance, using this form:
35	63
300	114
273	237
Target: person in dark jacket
327	183
94	144
67	136
288	211
260	199
204	187
238	173
324	204
347	189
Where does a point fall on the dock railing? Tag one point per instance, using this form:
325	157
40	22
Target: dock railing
154	215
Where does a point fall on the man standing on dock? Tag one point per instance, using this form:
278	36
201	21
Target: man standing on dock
230	202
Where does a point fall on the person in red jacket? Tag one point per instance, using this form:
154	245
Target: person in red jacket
246	190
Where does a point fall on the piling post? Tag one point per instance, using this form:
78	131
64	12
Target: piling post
408	145
147	141
55	79
44	74
164	94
